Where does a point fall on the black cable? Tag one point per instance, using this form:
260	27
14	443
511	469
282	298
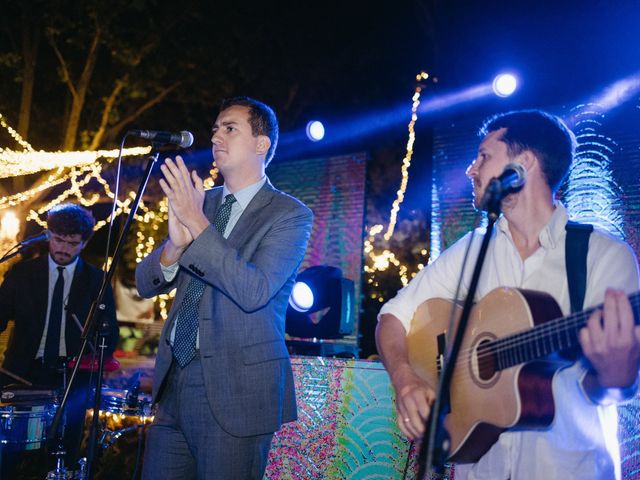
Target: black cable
140	436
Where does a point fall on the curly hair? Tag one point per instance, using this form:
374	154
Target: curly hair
71	219
262	119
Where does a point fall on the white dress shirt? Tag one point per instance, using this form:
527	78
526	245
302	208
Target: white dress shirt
582	440
67	275
243	198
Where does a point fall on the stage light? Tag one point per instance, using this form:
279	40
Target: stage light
315	131
331	305
301	298
504	84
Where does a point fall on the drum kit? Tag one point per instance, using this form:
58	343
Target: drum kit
26	414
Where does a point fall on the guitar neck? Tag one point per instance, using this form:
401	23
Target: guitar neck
550	337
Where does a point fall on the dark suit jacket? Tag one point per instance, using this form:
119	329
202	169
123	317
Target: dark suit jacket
24	299
249	277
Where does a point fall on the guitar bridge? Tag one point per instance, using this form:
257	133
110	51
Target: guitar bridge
442	346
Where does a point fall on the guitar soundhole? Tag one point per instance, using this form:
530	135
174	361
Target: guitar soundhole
486	361
484	364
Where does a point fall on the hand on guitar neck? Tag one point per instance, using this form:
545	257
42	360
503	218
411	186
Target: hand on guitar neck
611	342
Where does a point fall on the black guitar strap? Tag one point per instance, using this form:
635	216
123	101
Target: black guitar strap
576	247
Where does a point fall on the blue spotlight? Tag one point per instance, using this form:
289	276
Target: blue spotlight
504	84
315	131
301	298
324	307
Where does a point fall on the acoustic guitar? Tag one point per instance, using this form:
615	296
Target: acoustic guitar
502	379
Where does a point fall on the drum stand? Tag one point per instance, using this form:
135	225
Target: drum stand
60	472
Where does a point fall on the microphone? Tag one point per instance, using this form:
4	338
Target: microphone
44	235
183	139
513	177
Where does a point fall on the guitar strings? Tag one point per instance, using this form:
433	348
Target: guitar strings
545	331
511	342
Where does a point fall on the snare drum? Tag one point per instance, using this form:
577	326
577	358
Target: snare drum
24	425
122	401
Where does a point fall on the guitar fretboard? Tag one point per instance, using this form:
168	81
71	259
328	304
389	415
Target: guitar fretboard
550	337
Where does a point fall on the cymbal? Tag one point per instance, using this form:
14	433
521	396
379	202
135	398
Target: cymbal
89	363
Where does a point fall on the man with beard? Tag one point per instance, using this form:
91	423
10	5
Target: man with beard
528	251
48	298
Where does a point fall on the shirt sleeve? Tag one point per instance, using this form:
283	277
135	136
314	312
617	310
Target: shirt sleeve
611	264
438	280
170	272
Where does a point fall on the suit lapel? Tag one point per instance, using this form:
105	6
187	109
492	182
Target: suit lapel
41	292
251	214
79	283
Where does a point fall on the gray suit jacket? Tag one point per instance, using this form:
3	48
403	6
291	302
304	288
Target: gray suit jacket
249	277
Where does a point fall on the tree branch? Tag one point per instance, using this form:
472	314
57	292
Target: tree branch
108	107
66	76
113	130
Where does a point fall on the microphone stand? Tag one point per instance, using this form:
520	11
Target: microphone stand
436	442
90	324
17	249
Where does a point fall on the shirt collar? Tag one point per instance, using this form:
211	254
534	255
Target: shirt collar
244	196
68	269
551	233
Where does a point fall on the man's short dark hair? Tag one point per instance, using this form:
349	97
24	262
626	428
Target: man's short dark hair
262	119
544	134
70	219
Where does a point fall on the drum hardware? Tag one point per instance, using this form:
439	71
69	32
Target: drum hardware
118	405
61	473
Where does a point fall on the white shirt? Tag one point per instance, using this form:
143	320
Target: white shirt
582	440
67	275
243	198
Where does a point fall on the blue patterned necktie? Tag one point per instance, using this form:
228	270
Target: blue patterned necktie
52	343
184	343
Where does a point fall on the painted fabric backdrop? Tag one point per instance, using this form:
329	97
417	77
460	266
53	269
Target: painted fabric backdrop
333	188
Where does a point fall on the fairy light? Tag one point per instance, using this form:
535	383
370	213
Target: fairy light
406	161
377	249
15	164
15	135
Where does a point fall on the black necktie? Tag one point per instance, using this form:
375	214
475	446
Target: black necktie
52	345
184	342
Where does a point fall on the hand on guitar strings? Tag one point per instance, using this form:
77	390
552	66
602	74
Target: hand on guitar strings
611	342
414	398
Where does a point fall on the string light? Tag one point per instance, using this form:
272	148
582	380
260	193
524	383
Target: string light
15	135
406	161
29	161
380	261
15	164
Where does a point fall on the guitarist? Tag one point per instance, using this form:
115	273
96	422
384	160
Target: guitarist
528	251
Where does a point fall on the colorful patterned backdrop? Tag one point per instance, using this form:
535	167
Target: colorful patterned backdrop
346	426
603	189
334	189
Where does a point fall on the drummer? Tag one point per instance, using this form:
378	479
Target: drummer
48	298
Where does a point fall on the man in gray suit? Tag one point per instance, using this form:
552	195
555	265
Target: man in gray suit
223	382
